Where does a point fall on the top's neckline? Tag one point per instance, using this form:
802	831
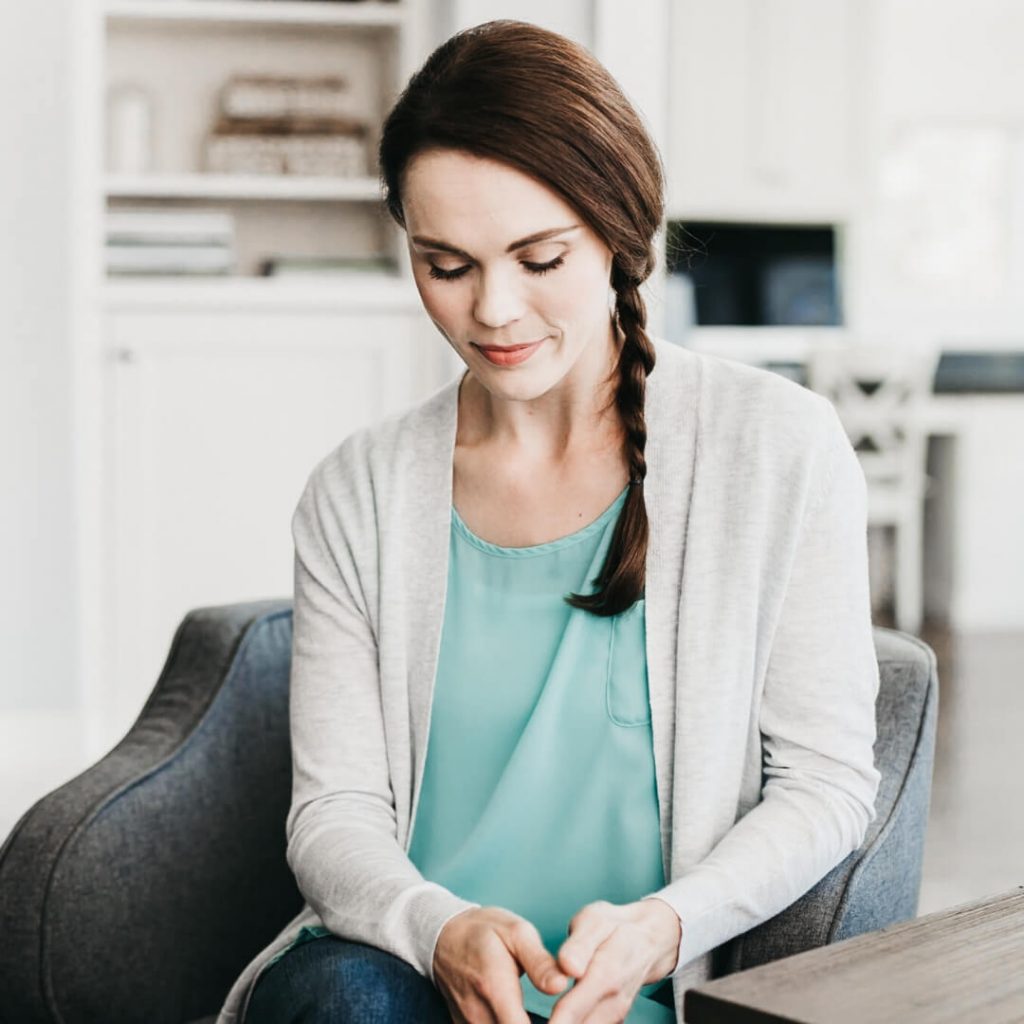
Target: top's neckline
548	546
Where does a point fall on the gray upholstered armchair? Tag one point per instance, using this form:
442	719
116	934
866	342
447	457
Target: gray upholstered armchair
137	891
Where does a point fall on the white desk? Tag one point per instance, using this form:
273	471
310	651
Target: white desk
974	519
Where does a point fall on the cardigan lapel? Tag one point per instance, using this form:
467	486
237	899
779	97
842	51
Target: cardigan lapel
671	414
427	490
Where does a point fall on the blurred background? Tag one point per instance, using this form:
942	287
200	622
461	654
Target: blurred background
200	297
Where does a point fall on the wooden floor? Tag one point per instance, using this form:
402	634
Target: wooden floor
975	840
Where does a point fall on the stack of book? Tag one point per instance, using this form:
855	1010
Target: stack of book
281	125
162	241
325	266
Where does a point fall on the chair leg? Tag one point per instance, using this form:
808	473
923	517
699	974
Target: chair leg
909	589
881	575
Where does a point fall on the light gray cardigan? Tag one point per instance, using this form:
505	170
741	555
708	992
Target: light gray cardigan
761	663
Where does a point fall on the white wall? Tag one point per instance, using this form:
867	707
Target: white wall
572	18
37	558
941	255
943	232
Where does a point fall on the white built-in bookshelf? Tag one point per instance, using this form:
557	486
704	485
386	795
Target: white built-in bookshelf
174	58
202	400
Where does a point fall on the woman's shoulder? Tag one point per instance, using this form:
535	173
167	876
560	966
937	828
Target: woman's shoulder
757	433
737	402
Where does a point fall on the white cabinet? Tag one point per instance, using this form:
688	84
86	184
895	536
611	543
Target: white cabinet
985	508
764	108
214	421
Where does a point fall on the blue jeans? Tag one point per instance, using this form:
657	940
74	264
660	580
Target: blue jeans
335	981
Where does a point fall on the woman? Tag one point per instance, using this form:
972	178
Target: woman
620	587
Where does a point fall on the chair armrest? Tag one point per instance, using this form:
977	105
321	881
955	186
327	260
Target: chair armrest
136	890
879	883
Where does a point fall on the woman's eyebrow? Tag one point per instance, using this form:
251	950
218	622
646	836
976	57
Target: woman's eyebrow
539	236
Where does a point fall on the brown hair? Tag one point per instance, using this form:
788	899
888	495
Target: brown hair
537	101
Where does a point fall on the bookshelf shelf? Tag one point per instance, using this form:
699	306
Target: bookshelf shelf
372	14
165	67
239	186
350	293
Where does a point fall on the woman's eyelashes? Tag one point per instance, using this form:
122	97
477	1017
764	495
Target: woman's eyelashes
534	268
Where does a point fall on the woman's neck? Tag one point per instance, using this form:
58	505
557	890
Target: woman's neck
577	415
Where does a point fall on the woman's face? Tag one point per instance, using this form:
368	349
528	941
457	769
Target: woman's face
482	285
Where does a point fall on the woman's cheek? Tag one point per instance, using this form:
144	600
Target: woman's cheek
575	292
440	305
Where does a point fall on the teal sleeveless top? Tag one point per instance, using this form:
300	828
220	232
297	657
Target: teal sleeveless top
538	792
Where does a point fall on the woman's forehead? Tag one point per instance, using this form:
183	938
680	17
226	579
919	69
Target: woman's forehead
444	188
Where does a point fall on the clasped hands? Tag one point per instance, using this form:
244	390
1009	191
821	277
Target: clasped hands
612	951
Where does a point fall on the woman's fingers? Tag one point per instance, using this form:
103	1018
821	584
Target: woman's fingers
603	992
611	950
587	930
526	945
497	1004
504	997
479	957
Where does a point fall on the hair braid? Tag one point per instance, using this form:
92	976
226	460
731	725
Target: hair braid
619	588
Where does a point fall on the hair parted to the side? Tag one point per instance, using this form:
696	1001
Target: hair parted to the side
537	101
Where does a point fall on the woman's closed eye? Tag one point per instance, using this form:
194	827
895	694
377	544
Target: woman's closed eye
534	268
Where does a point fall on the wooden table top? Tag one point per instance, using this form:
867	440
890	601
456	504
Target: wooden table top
962	964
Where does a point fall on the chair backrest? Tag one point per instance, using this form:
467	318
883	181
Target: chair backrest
139	890
878	391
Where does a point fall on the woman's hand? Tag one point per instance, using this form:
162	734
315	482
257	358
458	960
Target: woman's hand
614	950
478	959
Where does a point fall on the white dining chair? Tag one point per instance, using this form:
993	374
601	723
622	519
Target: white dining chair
879	391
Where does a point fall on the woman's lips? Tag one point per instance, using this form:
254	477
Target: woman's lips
511	356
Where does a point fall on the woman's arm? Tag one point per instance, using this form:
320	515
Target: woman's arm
341	829
817	722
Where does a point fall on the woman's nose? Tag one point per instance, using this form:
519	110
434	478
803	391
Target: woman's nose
498	298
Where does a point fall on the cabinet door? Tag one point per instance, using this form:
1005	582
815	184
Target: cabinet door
213	423
762	111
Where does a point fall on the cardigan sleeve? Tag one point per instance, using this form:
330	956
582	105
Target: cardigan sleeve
817	725
341	829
